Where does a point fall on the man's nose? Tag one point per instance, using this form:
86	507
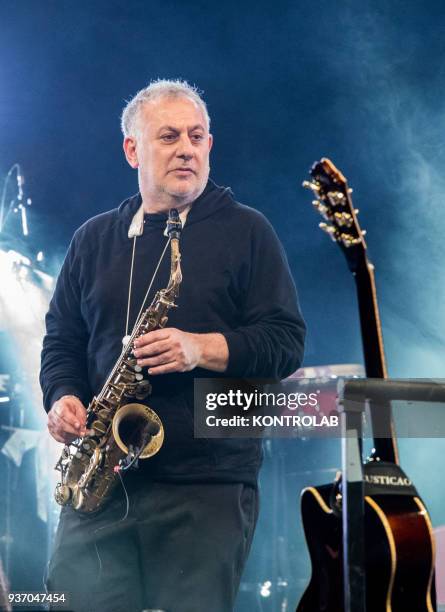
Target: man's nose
185	148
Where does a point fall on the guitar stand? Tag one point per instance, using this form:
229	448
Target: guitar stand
353	396
353	510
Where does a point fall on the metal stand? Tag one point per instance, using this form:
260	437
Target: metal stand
354	583
352	397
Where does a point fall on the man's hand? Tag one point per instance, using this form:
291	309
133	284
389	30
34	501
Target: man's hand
172	350
67	419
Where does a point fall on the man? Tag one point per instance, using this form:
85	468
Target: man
181	539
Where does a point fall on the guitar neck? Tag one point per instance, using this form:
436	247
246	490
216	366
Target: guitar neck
333	201
375	365
371	329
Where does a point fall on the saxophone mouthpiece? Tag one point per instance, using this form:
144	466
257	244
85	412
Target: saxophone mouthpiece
174	225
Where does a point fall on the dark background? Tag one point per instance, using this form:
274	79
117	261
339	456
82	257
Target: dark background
286	83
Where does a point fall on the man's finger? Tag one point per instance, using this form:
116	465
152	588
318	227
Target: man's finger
72	405
65	419
64	411
167	357
153	336
57	437
154	348
73	420
64	438
166	368
61	425
60	435
81	413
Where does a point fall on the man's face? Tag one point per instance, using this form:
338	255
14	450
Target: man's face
171	151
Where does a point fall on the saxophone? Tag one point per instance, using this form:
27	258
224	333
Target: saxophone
119	433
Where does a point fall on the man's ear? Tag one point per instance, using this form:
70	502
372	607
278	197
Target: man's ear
130	151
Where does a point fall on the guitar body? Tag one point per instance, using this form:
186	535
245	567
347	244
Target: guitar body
399	554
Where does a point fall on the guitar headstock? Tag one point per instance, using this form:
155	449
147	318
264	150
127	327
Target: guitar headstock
334	203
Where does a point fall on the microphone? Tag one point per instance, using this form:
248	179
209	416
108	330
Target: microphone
150	429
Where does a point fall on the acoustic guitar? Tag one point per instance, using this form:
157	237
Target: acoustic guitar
399	543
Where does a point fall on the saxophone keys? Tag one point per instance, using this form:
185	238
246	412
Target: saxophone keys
62	494
90	445
65	452
143	390
125	375
99	428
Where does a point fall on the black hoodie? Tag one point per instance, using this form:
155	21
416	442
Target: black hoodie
236	281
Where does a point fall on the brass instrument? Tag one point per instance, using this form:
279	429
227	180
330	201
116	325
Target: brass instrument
116	428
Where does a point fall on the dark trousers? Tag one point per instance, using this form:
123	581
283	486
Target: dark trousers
182	548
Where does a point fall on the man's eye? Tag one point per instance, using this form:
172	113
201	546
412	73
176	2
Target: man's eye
168	137
197	137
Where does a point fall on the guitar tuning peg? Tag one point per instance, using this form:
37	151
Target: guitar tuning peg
356	210
336	197
350	190
330	230
311	185
343	219
322	209
349	241
363	232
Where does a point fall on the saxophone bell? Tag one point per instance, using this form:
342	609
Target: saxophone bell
139	427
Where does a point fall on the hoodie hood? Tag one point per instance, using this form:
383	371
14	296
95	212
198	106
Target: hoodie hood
211	200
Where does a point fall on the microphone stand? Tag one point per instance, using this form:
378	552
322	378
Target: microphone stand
17	204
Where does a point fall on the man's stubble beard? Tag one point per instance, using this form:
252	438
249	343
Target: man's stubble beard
167	199
184	200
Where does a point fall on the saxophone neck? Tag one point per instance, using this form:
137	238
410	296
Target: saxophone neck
174	229
174	224
175	269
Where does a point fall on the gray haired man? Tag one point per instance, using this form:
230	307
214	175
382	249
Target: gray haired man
176	535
